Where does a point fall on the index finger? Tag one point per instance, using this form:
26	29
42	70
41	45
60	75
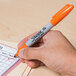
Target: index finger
22	42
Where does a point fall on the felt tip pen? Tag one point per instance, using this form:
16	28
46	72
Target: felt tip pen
55	20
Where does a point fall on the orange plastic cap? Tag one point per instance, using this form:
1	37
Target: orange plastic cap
61	14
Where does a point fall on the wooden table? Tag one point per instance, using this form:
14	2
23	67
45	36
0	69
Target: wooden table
20	18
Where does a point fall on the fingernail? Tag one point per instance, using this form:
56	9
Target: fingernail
21	53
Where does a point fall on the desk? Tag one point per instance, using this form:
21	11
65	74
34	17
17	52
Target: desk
19	18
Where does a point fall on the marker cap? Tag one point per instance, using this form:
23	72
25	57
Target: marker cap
61	14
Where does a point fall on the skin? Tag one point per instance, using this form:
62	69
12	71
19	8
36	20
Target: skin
53	51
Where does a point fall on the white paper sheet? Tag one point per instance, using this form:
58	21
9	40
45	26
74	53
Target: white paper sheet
7	59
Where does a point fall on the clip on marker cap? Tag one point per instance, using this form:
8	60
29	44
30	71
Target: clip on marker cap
61	14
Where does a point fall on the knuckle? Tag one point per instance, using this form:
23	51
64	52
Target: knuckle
58	32
55	32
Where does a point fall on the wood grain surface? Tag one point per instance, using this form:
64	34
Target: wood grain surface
20	18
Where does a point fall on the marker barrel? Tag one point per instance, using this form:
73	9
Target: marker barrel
39	35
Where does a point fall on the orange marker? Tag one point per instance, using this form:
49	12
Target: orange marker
55	19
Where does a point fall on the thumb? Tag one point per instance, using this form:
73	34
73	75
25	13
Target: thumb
30	53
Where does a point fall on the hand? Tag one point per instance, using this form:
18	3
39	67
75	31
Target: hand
53	50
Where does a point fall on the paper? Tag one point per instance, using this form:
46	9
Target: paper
24	70
7	60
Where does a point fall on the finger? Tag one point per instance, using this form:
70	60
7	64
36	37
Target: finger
22	60
33	63
25	39
30	53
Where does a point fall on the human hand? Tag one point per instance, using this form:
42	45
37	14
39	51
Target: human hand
53	50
